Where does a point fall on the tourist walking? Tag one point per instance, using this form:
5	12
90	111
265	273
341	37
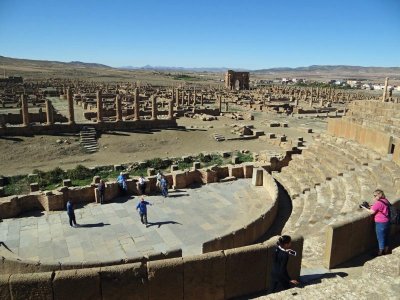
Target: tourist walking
142	185
71	214
142	208
164	186
381	211
102	190
280	279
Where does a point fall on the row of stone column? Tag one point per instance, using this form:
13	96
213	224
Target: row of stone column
71	116
178	97
136	104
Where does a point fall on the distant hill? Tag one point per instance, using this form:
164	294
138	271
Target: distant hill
34	69
47	63
333	69
180	69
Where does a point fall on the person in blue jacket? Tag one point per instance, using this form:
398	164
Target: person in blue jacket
164	186
71	214
142	208
122	182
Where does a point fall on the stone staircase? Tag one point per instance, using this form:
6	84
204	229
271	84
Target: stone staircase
89	139
380	279
326	183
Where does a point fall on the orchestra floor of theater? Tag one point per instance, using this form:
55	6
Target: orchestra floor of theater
185	219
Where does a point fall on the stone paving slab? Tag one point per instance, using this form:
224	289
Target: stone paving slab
186	219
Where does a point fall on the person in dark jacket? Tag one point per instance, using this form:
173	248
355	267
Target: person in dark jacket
280	279
71	214
102	190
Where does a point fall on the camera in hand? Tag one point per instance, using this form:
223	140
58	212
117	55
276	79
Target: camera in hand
364	204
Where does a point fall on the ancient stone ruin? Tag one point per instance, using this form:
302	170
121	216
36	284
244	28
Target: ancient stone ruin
237	80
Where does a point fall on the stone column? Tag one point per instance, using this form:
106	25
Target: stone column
171	110
177	98
321	102
226	106
153	101
25	111
49	112
70	100
384	96
99	106
202	99
118	108
296	102
173	95
189	95
220	103
136	99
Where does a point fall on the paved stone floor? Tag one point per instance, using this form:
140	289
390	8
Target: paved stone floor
185	219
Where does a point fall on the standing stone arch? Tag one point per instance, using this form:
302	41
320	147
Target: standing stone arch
232	77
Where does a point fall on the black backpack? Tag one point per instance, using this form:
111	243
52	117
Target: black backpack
394	213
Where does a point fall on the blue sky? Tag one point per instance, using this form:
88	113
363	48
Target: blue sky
240	34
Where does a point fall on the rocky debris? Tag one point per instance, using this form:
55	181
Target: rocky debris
204	117
242	129
229	178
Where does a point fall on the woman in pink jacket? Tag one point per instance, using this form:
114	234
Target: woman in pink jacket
380	210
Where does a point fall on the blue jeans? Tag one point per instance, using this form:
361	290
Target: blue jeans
164	191
382	233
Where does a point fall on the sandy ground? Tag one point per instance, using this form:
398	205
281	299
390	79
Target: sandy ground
20	155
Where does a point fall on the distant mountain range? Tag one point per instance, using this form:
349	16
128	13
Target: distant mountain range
180	69
331	68
314	69
48	63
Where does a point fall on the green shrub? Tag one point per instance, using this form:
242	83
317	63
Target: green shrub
245	157
79	173
158	163
17	186
184	165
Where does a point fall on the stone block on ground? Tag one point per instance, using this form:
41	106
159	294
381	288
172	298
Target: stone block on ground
118	168
151	172
235	160
67	182
258	132
34	187
196	165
